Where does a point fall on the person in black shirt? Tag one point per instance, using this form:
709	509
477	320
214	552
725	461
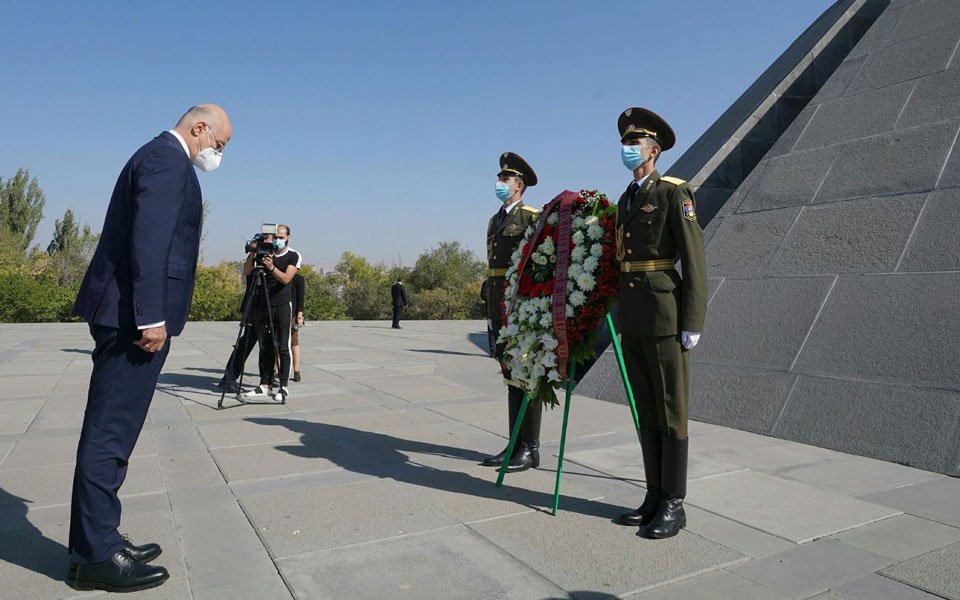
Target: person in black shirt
297	323
399	301
281	267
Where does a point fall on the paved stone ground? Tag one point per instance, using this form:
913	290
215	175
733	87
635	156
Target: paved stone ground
366	485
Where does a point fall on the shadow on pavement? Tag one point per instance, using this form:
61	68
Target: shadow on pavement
23	544
389	451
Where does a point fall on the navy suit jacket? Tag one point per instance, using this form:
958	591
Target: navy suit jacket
144	268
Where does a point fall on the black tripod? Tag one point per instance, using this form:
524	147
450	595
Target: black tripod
258	281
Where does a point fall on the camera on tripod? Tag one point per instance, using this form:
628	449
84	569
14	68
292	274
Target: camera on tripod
260	245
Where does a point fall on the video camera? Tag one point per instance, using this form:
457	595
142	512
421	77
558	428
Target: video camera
259	245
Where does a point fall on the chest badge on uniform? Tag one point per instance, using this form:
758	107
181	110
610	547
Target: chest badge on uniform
688	211
511	229
647	208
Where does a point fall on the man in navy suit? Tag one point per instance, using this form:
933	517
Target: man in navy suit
135	296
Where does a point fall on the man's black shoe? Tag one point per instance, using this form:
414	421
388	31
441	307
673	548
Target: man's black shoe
142	554
526	458
296	376
229	386
495	460
668	521
119	573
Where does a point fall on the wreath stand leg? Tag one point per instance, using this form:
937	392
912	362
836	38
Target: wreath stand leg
563	436
566	409
508	454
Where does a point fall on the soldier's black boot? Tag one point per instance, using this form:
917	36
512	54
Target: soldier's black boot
670	518
529	455
651	445
514	400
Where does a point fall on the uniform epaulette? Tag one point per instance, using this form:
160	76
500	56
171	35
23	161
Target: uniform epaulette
530	209
673	180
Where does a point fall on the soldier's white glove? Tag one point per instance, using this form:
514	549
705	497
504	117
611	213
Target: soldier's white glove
689	339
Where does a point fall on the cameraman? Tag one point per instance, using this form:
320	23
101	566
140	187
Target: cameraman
281	265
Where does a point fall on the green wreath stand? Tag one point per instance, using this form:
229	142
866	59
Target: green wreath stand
566	414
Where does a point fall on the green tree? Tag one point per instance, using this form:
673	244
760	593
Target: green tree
323	296
21	208
71	249
449	265
218	292
366	293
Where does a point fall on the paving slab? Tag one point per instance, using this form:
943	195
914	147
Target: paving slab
718	584
937	500
812	568
901	537
935	572
856	475
878	587
451	564
790	510
271	587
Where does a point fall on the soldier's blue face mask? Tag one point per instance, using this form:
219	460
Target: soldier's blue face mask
503	191
632	156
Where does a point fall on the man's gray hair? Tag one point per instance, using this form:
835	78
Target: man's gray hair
201	112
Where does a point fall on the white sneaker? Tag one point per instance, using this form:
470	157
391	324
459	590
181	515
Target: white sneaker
282	394
261	391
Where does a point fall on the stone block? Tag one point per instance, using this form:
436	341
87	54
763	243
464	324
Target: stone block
745	540
934	500
741	398
865	167
454	564
855	117
840	80
792	131
907	60
744	243
271	587
878	34
935	572
783	508
936	98
888	322
840	238
856	475
924	17
789	180
887	422
902	537
812	568
935	245
786	305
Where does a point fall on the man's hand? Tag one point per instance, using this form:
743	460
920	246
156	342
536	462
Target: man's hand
268	263
688	339
153	339
300	319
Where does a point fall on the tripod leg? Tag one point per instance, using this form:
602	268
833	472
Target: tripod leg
241	337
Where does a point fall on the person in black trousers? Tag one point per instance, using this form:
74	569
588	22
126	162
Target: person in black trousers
399	301
297	323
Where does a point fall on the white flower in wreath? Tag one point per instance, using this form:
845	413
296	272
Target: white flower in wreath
577	237
545	303
596	250
549	360
578	253
553	375
589	221
586	281
578	222
547	246
574	270
577	298
553	219
569	311
548	341
590	264
594	232
546	320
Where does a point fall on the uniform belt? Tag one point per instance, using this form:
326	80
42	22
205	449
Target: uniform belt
663	264
496	272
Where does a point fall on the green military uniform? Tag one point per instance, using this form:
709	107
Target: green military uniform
504	234
656	225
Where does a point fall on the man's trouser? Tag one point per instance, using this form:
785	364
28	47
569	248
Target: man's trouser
281	316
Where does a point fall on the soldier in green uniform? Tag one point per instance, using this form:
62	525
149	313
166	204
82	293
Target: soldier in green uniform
504	233
661	314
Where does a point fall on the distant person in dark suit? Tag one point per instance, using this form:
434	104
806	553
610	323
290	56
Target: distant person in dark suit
136	295
399	301
298	285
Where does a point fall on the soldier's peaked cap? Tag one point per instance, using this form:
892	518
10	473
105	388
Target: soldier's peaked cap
514	164
640	121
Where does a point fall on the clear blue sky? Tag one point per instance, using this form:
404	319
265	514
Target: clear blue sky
368	126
